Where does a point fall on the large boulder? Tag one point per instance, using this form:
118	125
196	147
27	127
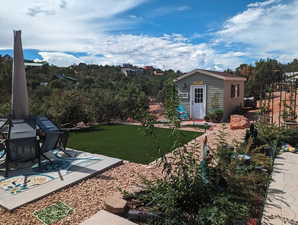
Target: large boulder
115	203
239	122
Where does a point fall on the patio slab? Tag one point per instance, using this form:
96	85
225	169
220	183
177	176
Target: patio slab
281	206
29	183
105	218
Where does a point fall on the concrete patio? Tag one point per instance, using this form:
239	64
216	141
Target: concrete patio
29	183
281	206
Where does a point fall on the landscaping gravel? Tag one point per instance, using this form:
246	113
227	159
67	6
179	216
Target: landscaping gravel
86	197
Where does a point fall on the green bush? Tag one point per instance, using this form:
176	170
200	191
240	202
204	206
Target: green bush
289	136
215	116
223	189
271	134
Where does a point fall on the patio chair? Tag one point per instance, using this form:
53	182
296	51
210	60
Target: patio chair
3	127
21	143
62	142
2	148
3	122
49	144
53	139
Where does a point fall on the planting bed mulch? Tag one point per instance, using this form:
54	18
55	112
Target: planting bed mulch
86	197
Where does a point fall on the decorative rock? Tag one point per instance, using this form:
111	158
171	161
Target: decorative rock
135	189
81	125
115	203
239	122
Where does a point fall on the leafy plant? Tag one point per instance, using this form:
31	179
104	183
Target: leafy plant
215	116
234	190
53	213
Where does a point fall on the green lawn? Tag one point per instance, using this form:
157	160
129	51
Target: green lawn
125	142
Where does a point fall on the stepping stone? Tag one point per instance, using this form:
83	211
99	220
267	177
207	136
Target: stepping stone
105	218
115	203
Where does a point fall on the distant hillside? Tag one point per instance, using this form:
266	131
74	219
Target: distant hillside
101	92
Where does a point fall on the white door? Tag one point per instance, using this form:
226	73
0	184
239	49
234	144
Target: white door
198	101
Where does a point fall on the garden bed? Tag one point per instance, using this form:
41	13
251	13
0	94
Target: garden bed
229	187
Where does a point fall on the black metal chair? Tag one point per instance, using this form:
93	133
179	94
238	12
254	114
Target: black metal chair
53	139
2	149
49	144
3	127
62	142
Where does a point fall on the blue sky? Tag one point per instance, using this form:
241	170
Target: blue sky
181	35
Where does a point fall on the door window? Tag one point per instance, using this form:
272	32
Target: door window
199	95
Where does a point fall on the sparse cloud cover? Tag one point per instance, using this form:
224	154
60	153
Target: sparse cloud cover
169	51
59	58
116	32
162	11
267	29
263	3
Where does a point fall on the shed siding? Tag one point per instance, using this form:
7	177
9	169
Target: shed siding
214	87
230	104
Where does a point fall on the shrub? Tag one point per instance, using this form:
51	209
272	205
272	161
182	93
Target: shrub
223	189
289	136
215	116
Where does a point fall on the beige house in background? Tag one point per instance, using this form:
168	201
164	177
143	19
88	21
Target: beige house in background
201	91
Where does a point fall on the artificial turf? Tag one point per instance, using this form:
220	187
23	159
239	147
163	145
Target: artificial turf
126	142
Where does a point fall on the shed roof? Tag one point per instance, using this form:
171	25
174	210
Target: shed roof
216	74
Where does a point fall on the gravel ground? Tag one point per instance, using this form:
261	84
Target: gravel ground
195	145
87	196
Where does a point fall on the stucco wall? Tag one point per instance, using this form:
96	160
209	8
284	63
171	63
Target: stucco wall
230	104
214	87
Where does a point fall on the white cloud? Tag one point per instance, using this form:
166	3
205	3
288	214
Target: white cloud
263	3
58	26
268	29
167	52
162	11
59	58
183	8
61	25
